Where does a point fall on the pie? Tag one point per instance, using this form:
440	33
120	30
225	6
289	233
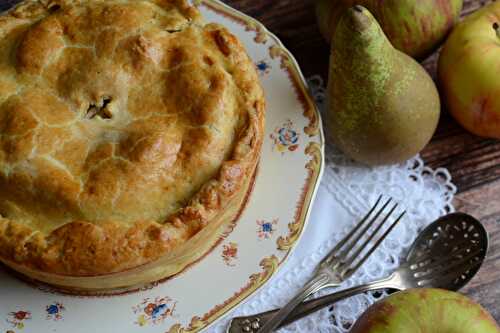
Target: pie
130	132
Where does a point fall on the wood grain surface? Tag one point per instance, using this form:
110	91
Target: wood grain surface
473	162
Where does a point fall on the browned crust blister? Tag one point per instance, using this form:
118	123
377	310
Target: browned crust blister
101	173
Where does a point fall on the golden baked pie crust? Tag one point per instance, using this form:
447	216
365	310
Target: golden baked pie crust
127	128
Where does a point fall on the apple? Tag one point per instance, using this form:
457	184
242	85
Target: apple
415	27
469	70
426	310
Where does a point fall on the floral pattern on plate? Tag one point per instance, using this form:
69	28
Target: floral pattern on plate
230	253
285	137
265	229
154	311
263	67
54	311
17	319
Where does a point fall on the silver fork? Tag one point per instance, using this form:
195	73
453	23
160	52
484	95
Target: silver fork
337	266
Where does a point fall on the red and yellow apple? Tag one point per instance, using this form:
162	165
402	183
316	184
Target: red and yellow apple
415	27
469	72
426	310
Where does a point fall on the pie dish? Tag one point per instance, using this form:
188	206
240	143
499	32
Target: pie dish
130	134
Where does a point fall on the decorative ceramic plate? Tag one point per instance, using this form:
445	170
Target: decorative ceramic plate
248	255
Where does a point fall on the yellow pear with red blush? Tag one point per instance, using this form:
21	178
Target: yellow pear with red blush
469	72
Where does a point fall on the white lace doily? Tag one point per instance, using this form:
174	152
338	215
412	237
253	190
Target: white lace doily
346	193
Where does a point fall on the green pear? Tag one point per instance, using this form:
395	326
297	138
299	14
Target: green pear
383	106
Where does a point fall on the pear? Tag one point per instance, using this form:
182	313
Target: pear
416	27
383	107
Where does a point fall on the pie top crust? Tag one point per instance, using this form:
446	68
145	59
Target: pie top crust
125	127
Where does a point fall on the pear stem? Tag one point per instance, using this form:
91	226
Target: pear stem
496	27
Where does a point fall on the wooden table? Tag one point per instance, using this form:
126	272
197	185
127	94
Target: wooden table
473	162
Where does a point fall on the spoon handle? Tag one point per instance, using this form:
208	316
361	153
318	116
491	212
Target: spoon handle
252	324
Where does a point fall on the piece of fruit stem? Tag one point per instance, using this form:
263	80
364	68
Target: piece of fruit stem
496	27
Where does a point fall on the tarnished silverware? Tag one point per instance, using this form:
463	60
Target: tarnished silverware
349	254
447	254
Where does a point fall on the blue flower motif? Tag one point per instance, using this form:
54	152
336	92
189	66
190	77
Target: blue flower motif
288	136
52	309
158	310
262	66
267	227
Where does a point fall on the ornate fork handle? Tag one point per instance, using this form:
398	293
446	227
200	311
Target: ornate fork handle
252	324
318	282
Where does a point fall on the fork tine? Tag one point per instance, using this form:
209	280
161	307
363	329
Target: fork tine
349	271
353	242
439	279
353	231
360	249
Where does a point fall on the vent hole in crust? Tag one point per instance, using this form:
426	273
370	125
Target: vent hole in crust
54	8
99	109
209	61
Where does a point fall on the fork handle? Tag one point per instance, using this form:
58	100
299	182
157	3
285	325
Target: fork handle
316	283
251	324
